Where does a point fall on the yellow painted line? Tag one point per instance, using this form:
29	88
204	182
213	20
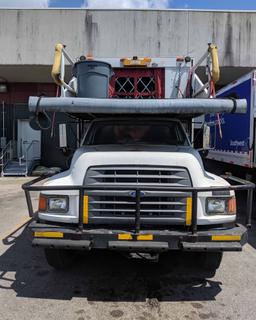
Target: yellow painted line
17	228
189	212
145	237
226	238
49	234
86	209
124	236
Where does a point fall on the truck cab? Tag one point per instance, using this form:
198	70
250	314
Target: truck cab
146	153
136	184
137	179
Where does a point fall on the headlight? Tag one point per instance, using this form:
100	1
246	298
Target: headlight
221	206
58	204
53	203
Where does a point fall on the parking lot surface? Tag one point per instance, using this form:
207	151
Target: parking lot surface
103	285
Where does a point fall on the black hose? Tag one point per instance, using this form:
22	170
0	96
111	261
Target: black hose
46	115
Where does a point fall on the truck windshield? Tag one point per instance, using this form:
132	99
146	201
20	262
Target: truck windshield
166	133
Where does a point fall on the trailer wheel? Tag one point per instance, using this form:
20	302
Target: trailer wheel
59	259
209	261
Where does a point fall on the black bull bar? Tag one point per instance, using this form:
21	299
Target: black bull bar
241	185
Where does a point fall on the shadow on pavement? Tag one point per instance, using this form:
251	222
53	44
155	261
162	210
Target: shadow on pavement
241	205
220	168
252	235
102	276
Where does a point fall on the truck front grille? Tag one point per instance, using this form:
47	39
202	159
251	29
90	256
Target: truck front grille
117	206
138	176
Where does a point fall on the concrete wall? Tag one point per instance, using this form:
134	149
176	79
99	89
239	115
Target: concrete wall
27	37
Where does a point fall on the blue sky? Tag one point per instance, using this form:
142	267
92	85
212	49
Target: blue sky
216	4
177	4
192	4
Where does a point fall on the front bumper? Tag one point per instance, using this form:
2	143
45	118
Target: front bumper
61	237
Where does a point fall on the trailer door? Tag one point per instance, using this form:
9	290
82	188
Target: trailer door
233	141
253	96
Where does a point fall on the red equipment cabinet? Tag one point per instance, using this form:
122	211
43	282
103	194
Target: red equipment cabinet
137	83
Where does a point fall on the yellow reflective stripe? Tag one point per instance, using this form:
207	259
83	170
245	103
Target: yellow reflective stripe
226	238
145	237
124	236
49	234
86	210
189	212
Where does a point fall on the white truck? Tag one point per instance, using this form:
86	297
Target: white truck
136	184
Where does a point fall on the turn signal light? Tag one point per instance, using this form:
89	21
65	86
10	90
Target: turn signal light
179	59
89	57
232	206
42	203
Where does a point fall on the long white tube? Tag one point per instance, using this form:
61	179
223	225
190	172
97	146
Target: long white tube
137	106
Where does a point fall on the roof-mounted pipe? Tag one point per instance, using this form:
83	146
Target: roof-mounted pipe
137	106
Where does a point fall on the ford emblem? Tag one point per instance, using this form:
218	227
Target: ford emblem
133	194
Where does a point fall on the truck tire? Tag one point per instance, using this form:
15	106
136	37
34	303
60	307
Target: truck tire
209	261
59	259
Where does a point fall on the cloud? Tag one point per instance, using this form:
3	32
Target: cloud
127	4
24	3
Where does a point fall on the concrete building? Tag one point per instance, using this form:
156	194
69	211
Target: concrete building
27	39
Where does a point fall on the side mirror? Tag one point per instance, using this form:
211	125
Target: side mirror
203	152
62	135
206	137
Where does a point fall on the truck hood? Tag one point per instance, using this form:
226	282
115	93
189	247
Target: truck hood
141	155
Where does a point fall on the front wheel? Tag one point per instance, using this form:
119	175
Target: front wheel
209	261
59	259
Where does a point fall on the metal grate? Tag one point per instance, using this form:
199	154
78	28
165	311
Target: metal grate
146	85
131	175
124	85
121	205
118	206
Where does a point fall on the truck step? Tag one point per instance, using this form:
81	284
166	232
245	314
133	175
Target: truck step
138	246
14	168
211	246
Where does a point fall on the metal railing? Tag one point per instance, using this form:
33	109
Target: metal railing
6	155
242	185
30	152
